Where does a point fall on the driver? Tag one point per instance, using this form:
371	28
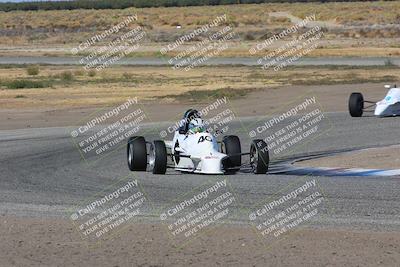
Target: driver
196	126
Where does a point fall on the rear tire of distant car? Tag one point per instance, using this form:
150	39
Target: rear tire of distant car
259	156
158	157
137	153
356	104
232	147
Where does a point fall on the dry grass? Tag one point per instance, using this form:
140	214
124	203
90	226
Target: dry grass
164	84
60	27
250	14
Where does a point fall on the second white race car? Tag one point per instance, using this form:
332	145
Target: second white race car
389	106
195	150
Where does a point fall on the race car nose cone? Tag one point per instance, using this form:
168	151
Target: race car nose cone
211	165
380	109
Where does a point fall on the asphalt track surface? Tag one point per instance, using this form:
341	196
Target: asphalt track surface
350	61
43	174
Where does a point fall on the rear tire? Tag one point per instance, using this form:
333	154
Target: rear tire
231	146
137	153
158	157
259	156
356	104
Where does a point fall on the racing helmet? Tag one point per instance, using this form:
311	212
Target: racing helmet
196	125
189	115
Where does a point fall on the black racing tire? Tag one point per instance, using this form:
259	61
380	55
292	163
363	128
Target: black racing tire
231	146
137	153
356	104
259	156
158	157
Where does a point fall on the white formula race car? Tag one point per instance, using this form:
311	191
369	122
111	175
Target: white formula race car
389	106
195	150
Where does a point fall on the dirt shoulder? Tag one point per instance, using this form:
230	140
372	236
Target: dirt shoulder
373	158
262	102
55	242
57	87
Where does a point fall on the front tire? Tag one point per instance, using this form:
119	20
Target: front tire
259	156
356	104
158	157
137	153
232	147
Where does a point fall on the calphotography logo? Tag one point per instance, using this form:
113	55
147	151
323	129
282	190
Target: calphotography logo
108	129
107	48
99	37
216	37
110	211
301	123
198	211
296	205
217	117
301	44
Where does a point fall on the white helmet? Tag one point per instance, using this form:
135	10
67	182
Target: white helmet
196	126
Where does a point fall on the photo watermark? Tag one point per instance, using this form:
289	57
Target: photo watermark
110	210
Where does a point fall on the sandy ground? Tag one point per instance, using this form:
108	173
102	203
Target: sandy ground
274	101
386	158
48	241
55	242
